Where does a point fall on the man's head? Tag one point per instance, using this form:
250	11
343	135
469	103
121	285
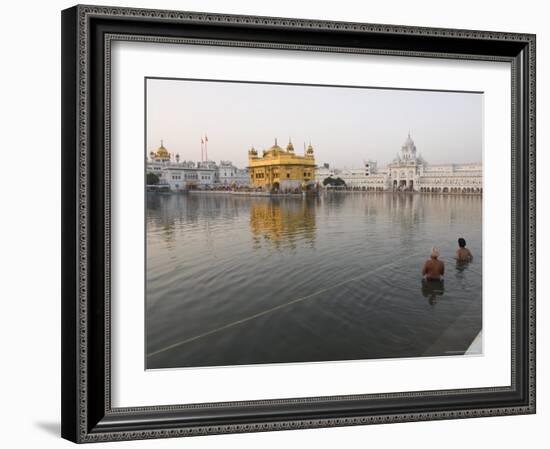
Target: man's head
461	242
435	253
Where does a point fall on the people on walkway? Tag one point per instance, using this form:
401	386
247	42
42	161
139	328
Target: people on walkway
433	269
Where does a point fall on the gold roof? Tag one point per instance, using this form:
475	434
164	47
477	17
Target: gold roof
275	152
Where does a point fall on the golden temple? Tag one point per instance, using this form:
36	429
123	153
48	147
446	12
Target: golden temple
281	169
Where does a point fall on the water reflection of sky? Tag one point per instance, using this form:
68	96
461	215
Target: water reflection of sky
238	280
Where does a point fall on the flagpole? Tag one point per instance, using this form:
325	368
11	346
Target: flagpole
202	150
206	147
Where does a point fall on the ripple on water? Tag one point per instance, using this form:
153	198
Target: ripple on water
330	278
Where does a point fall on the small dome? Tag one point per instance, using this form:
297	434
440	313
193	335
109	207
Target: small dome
309	149
290	147
253	151
162	152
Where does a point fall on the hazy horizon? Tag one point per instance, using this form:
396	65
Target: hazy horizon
344	125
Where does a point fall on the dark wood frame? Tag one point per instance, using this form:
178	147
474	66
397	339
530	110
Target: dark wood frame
87	32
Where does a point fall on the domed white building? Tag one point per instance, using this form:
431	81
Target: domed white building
409	172
178	175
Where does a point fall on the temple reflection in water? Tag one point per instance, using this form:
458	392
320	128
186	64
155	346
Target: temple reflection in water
282	221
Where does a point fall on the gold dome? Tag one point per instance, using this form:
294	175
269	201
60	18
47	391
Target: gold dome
309	149
162	152
275	149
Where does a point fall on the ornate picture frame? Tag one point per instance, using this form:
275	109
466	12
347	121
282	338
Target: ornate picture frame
88	33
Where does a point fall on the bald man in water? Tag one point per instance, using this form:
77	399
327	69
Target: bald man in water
433	268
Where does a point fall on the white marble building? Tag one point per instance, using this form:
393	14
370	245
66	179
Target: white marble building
324	171
183	175
229	175
409	172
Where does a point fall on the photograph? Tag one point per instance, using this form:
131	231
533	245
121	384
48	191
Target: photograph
302	223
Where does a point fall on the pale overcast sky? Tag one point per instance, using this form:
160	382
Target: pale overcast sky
345	125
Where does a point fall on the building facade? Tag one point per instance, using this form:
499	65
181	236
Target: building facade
281	169
409	172
180	175
229	175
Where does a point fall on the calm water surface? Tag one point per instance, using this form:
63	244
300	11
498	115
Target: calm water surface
237	280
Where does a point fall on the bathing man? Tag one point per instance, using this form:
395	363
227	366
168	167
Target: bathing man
433	268
463	254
